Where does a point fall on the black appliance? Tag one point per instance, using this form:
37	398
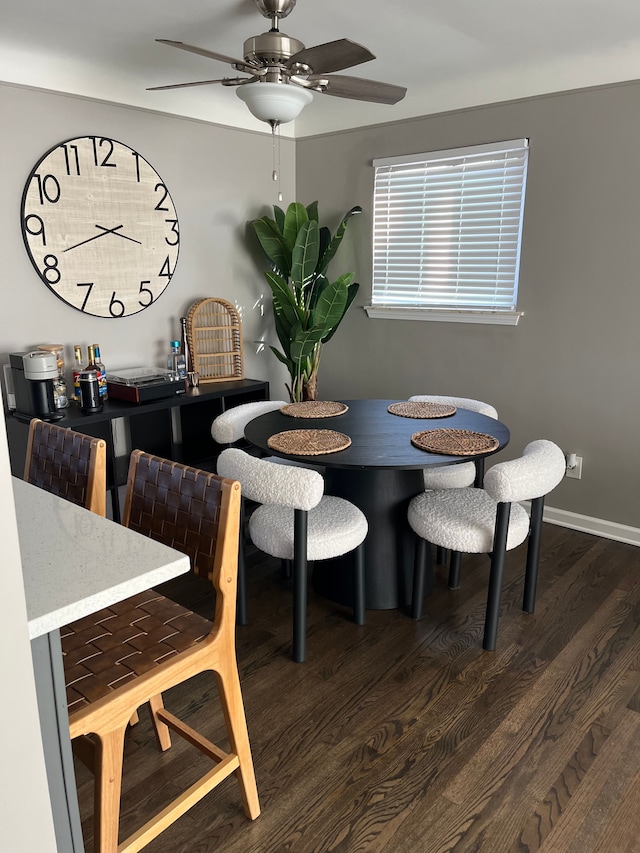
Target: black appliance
33	377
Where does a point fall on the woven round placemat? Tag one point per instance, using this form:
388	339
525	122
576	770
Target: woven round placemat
416	409
314	409
454	442
309	442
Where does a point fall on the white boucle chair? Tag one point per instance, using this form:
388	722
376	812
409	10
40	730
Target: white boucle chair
228	427
463	474
488	521
297	522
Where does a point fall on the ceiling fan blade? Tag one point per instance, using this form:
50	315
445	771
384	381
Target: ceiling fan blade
226	81
359	89
240	64
332	56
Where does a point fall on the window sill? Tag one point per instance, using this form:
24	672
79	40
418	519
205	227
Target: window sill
443	315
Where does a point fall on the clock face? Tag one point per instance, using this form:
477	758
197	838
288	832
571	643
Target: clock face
100	227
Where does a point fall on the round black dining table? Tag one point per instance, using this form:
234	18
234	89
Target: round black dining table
379	472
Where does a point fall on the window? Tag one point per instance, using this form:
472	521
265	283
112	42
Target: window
447	231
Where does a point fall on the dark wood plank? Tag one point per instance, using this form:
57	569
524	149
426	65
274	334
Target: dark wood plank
407	736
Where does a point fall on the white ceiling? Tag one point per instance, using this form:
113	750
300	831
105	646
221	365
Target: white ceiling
448	53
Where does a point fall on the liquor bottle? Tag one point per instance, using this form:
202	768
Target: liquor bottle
91	364
185	345
77	367
103	373
175	363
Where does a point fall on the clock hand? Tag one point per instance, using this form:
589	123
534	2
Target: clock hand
97	236
104	231
113	231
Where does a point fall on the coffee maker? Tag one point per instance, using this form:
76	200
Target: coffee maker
33	376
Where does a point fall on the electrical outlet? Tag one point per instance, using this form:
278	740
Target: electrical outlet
575	471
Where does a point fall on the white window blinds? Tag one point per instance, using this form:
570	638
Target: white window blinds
447	228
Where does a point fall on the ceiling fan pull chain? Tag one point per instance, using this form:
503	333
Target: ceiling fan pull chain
275	147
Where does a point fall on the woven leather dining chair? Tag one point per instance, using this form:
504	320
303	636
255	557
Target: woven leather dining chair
68	464
297	522
128	654
488	521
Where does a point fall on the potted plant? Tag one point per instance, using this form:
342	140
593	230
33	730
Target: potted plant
308	307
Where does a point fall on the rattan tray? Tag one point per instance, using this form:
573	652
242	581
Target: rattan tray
314	409
214	335
416	409
454	442
309	442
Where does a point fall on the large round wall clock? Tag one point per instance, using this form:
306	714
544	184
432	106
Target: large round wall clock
100	227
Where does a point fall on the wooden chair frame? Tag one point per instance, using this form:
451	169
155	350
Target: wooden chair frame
67	463
98	728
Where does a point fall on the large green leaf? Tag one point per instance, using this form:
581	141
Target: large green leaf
312	210
283	331
282	358
352	289
325	239
273	245
330	306
278	215
294	219
319	284
304	344
284	304
332	248
304	257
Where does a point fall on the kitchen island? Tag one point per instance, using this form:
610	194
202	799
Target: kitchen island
74	563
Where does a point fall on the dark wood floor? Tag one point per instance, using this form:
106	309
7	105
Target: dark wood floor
404	736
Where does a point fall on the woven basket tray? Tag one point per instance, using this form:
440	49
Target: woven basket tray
214	335
314	409
454	442
415	409
309	442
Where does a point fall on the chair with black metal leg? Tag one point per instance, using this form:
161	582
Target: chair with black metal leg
296	521
489	520
455	476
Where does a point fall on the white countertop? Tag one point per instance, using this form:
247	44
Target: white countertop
74	562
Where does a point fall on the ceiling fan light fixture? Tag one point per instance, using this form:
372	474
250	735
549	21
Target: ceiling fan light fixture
274	102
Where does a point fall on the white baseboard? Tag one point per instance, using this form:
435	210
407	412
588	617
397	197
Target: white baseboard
597	526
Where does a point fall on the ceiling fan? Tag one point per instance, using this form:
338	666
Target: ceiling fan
284	73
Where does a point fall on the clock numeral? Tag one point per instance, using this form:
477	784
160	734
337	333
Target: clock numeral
144	289
165	193
113	310
166	269
48	188
174	230
51	273
136	157
96	145
39	229
75	164
89	285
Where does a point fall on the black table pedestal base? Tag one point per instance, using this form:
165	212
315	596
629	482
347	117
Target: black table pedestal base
383	495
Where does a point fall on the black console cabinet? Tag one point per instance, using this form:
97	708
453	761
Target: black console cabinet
177	428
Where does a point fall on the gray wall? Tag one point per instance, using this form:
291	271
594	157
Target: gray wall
219	178
569	370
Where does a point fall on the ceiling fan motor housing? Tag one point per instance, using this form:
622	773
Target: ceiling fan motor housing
271	48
